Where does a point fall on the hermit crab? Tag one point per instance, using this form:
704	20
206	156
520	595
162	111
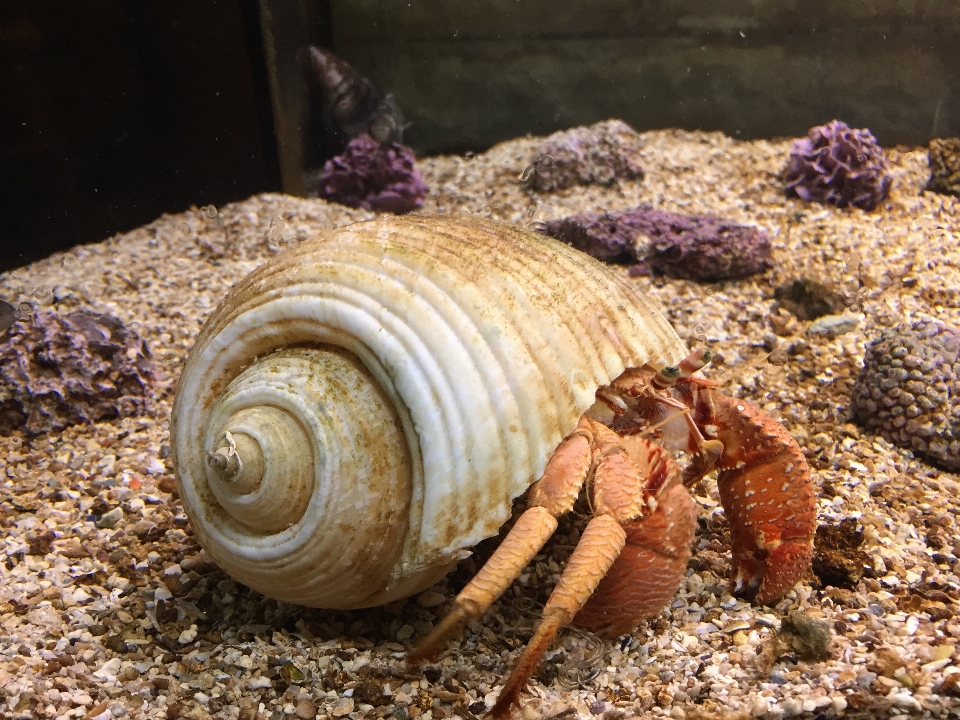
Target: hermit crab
363	409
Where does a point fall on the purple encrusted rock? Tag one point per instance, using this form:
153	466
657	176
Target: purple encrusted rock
374	176
837	165
599	153
59	370
691	247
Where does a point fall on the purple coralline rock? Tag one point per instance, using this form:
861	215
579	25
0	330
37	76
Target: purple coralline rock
599	153
909	389
837	165
692	247
374	176
59	370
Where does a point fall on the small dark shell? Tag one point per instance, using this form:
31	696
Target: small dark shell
357	105
944	155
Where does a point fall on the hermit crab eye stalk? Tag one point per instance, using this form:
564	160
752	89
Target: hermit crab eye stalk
671	374
666	377
696	360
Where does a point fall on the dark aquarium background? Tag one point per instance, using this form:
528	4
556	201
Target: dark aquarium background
112	113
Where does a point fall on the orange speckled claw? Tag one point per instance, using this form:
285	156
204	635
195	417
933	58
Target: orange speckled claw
786	564
768	496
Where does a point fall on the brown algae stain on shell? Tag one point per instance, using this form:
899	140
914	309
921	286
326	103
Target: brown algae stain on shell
487	343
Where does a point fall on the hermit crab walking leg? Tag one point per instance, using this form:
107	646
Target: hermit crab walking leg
620	493
552	496
599	546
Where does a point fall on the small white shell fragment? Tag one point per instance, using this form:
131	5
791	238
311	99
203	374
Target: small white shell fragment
155	467
108	670
188	635
913	622
904	699
835	325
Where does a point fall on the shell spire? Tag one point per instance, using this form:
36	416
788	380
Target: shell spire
357	105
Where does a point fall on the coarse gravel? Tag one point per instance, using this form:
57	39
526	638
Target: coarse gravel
109	608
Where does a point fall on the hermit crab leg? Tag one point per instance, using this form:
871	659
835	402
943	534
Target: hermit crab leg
599	546
553	495
522	543
619	495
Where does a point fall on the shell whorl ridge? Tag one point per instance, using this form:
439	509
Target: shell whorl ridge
362	409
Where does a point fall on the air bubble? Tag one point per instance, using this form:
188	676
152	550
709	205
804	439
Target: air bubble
68	262
545	162
528	172
275	237
185	228
469	155
210	211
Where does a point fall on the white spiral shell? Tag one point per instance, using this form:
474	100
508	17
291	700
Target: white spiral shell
362	409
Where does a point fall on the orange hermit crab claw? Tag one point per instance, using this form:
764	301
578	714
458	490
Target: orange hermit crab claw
765	577
768	497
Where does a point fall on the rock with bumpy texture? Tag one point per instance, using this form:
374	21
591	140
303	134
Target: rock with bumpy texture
599	153
59	370
837	165
909	390
374	176
944	156
691	247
